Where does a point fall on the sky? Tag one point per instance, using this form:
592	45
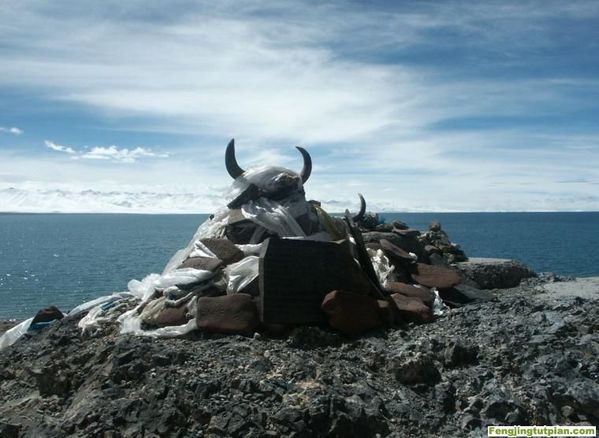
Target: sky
420	105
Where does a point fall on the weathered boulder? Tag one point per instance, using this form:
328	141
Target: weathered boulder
464	294
398	256
223	249
434	276
48	314
412	309
235	313
161	313
422	293
491	273
351	313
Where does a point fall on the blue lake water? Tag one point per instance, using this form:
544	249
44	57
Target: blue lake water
66	259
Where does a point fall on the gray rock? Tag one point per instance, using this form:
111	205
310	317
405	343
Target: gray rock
464	294
490	273
420	369
458	354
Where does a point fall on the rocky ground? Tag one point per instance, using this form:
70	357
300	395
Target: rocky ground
527	357
5	325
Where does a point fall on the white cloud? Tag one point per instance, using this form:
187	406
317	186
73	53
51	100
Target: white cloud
111	153
59	148
13	130
123	155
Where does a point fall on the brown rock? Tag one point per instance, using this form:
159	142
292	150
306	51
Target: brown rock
435	276
396	254
351	313
422	293
48	314
412	309
159	313
203	263
224	249
408	243
235	313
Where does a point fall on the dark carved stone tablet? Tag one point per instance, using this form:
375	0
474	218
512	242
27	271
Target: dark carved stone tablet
295	276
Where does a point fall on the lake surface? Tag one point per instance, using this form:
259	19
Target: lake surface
66	259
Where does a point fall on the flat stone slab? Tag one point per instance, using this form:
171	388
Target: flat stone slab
295	276
586	287
396	253
434	276
464	294
422	293
409	243
492	273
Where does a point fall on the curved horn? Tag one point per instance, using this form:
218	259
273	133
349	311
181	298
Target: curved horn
307	169
362	211
231	162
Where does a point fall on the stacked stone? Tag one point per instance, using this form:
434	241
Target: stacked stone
207	301
350	303
439	248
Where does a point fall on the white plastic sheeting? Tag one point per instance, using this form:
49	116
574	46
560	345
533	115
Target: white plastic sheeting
182	277
101	314
131	323
201	250
439	307
11	336
250	249
99	301
242	273
272	216
382	266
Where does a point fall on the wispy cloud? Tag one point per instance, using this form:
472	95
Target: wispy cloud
111	153
123	155
60	148
13	130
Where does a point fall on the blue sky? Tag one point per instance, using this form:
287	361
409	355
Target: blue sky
419	105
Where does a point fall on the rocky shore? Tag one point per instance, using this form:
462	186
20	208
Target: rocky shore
528	356
337	327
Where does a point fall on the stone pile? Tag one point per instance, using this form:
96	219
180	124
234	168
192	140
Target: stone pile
356	274
272	259
439	248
